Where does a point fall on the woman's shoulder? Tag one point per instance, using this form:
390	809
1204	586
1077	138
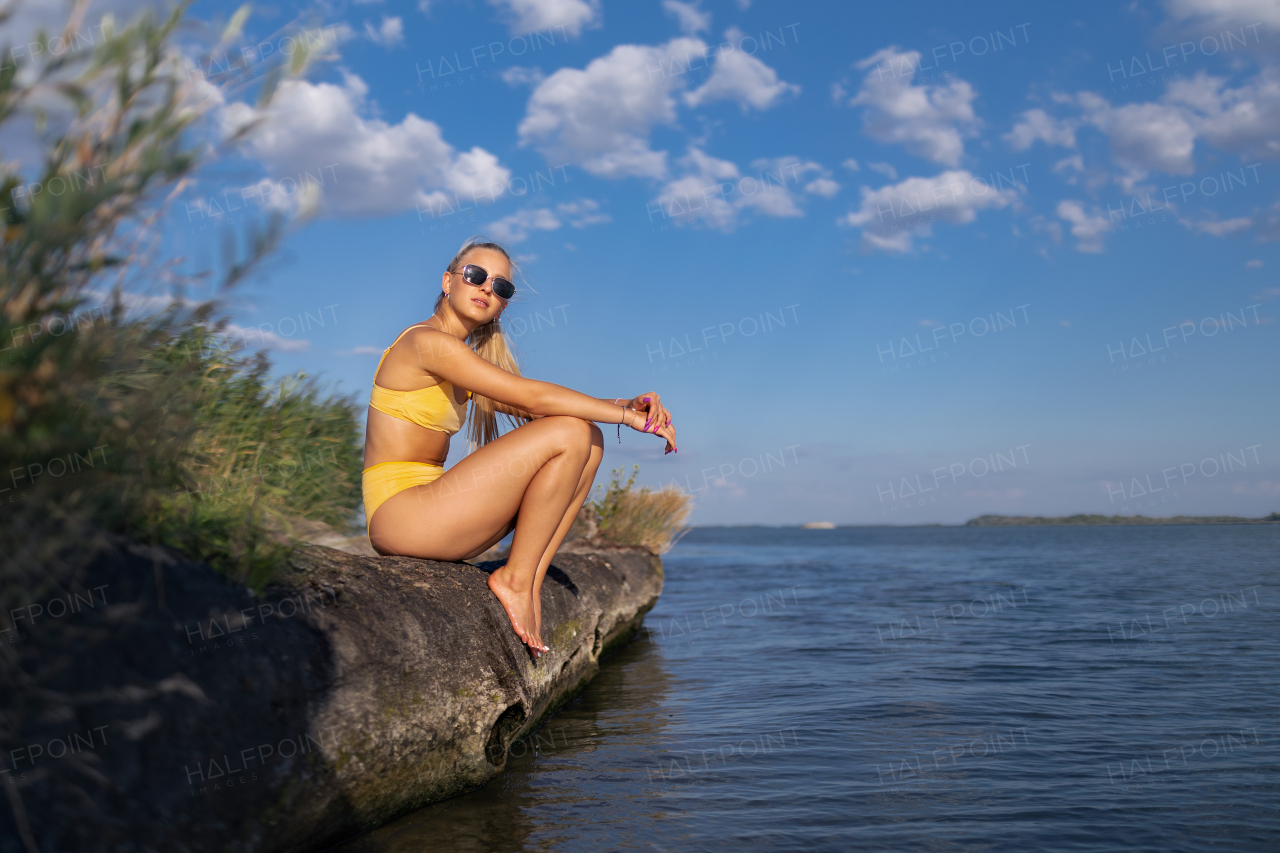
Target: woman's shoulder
416	332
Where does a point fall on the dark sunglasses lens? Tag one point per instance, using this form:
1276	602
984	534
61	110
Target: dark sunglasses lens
472	274
503	288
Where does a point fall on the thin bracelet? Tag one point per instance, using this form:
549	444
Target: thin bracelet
621	422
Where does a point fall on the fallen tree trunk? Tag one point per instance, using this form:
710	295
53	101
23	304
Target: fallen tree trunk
201	717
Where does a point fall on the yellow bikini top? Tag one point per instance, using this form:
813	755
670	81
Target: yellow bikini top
433	407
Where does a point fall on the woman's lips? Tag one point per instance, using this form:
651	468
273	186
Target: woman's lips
480	302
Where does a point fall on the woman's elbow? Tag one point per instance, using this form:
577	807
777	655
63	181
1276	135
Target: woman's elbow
538	403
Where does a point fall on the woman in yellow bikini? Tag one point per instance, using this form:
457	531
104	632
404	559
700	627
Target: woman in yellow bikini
533	478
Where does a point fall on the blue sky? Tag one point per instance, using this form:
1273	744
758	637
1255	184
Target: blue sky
902	263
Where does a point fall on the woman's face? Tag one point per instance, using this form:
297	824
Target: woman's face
478	303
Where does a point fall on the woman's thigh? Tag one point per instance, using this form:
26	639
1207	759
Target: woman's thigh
457	513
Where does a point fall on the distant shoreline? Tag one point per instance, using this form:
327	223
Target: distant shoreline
1092	520
1078	520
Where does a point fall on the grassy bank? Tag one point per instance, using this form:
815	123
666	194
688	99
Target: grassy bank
123	409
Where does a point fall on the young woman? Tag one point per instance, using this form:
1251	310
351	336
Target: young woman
533	478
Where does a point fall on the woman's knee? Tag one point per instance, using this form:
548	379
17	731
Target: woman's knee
573	430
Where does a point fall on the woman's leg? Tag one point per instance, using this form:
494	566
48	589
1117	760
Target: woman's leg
534	471
571	514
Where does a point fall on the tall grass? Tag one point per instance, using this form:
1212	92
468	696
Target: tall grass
644	517
193	449
123	411
263	455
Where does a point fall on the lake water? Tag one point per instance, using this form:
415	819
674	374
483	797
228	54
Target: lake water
931	689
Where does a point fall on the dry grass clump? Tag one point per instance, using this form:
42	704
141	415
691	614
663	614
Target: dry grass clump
652	519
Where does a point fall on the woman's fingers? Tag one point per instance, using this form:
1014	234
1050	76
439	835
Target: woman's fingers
669	433
655	412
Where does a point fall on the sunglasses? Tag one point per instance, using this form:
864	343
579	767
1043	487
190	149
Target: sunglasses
477	276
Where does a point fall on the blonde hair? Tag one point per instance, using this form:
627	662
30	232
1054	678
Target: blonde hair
490	343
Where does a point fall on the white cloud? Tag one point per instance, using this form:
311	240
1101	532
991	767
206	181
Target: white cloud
568	16
378	168
1089	229
715	193
1225	13
1037	125
930	121
253	336
1218	227
1244	121
1254	264
1161	136
1073	163
824	187
850	164
742	78
1144	137
576	214
689	17
892	215
518	75
601	116
885	169
389	34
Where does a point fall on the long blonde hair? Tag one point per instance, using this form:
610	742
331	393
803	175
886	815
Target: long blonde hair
490	343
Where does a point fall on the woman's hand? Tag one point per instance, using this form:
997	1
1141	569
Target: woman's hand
651	406
637	421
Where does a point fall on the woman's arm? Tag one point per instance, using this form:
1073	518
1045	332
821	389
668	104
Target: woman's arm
445	356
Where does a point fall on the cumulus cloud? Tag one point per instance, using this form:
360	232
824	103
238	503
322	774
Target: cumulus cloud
716	194
1225	13
824	187
741	78
891	216
569	16
1218	227
1089	228
1244	121
929	120
576	214
1161	136
1144	137
689	17
378	168
389	34
1038	126
600	116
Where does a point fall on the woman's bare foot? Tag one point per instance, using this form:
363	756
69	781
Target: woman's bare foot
518	605
537	619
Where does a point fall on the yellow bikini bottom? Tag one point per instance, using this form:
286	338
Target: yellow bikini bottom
385	479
